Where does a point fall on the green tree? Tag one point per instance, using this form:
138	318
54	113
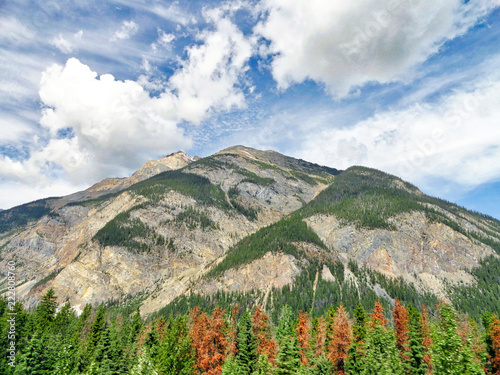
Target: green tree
247	347
45	311
288	361
449	354
176	354
417	365
96	330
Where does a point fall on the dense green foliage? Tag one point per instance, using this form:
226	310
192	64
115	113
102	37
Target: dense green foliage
130	233
483	296
97	342
189	184
19	216
194	218
277	237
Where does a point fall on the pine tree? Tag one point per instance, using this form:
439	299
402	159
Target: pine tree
450	356
247	348
263	366
103	362
303	337
45	311
175	354
288	360
286	324
96	330
261	330
354	363
401	325
36	360
340	342
230	366
417	365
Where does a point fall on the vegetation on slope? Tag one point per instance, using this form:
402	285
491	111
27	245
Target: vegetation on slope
19	216
189	184
277	237
369	198
132	234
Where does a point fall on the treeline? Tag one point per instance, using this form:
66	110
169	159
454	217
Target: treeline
399	340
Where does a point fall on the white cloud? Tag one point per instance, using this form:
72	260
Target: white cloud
62	44
347	44
164	40
209	77
115	126
128	29
456	139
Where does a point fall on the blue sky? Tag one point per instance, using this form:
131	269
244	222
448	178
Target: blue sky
92	89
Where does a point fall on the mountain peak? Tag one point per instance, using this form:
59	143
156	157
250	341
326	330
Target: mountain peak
170	162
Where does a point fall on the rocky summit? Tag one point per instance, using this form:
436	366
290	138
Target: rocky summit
251	226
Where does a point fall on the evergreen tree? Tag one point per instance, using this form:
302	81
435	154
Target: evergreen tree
286	324
354	363
36	360
45	311
104	361
321	366
96	330
340	342
288	360
176	354
230	366
381	356
417	364
247	348
450	356
303	337
263	366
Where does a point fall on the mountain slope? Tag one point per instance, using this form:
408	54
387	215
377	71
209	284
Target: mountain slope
159	234
255	226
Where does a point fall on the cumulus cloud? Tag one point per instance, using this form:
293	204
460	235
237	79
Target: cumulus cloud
97	126
128	29
113	126
347	44
456	139
209	77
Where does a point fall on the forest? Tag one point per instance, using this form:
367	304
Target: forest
401	339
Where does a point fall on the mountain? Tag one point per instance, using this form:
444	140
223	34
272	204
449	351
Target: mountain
252	226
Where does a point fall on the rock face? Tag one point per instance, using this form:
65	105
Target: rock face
155	235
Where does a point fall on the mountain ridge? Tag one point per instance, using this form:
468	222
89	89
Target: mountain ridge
250	222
